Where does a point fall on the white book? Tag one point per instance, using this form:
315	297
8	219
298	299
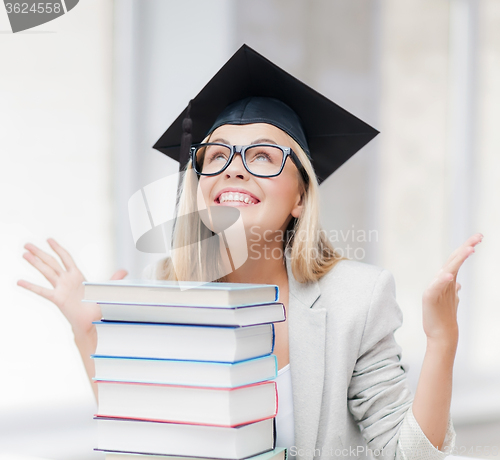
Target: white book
279	453
180	293
160	438
187	342
221	315
187	404
184	372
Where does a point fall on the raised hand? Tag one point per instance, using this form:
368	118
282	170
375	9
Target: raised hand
440	300
67	282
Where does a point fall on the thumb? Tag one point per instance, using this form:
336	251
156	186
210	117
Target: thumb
119	275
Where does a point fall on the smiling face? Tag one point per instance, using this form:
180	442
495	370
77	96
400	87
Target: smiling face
265	203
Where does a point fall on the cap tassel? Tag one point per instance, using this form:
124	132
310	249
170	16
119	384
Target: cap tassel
187	125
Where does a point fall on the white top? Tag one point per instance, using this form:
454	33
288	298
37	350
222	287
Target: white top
284	418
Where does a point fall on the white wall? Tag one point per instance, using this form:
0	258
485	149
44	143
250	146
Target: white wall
165	53
438	174
82	100
55	181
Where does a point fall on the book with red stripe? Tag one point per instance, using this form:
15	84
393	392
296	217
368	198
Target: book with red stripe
227	407
162	438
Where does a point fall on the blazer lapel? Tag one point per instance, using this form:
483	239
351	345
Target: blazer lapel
306	335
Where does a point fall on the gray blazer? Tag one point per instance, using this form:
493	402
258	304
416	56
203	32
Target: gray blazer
350	394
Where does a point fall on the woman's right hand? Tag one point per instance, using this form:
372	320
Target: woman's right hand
67	282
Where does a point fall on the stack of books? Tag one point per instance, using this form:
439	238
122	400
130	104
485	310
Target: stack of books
186	369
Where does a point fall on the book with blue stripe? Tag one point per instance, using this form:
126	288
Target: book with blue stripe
279	453
184	372
187	342
241	315
180	293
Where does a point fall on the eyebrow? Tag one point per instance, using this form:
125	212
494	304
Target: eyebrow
220	140
262	140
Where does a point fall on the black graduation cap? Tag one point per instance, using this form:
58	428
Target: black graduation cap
238	94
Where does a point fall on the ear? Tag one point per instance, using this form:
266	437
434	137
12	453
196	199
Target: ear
297	209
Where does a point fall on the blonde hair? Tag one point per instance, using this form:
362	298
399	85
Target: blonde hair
312	254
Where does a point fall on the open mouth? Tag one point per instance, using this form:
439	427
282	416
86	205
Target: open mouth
235	199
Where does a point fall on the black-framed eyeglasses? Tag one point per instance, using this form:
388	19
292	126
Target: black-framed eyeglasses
261	160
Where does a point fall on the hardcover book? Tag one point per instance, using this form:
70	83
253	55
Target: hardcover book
187	404
279	453
187	293
160	438
246	315
184	372
188	342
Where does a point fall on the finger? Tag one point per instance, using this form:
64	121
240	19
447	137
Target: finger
459	286
43	268
67	260
119	275
471	241
457	262
41	291
46	258
467	248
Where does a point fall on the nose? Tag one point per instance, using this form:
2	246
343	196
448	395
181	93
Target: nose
236	167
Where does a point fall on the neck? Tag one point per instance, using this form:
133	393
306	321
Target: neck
264	265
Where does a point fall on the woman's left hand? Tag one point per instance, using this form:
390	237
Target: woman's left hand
440	299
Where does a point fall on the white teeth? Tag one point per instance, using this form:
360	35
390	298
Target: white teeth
235	197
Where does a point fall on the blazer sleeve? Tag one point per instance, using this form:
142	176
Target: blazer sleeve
379	397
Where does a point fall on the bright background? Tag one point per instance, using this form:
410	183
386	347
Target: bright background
83	99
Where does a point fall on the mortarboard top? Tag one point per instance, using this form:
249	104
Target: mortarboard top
330	135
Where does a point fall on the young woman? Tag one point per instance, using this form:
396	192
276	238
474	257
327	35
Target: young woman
341	380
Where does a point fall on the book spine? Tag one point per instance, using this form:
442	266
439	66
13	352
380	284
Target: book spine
277	402
178	422
272	346
275	366
191	387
